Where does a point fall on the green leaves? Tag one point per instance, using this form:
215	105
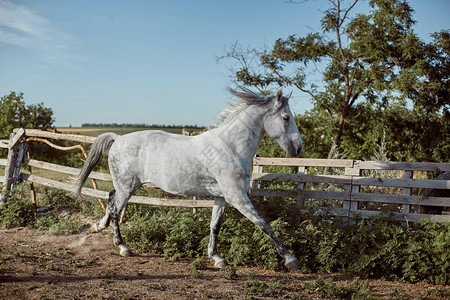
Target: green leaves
373	67
15	114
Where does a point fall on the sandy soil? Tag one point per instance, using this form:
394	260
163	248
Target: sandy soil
37	265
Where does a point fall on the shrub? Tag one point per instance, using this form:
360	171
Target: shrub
18	211
58	226
185	236
147	232
199	264
377	247
65	226
58	198
328	288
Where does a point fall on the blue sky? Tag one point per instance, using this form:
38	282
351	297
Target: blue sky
109	61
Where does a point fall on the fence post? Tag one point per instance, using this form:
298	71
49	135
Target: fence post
18	163
11	164
32	191
301	188
407	192
350	205
254	185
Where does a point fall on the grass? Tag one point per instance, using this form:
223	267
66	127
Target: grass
199	264
254	287
229	272
19	211
57	226
326	287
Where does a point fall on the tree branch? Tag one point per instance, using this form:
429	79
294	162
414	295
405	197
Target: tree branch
346	12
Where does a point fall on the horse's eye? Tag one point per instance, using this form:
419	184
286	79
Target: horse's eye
286	118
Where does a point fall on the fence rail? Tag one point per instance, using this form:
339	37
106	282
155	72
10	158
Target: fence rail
351	194
344	190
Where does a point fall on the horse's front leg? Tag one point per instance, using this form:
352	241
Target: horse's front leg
243	204
216	222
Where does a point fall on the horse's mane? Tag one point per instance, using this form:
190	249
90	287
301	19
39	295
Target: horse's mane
244	97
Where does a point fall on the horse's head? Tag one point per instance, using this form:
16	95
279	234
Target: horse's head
280	125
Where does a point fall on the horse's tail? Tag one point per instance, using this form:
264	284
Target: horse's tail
98	149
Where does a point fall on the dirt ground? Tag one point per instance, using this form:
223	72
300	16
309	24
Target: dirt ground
37	265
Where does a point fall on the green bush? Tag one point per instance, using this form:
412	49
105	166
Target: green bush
377	247
199	264
185	236
147	232
328	288
65	226
18	211
357	289
58	198
57	226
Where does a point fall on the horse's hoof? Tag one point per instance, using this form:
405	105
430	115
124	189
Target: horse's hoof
293	265
94	228
221	264
125	251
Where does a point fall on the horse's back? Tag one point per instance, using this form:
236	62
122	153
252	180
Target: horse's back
155	156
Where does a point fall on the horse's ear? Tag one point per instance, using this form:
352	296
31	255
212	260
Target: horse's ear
289	95
279	93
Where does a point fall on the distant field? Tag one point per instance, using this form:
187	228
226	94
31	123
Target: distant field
94	131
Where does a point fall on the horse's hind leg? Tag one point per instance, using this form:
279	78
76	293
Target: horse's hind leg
104	222
216	222
116	204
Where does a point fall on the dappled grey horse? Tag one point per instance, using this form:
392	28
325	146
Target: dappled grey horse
215	163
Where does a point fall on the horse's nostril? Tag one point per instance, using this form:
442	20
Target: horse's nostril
299	151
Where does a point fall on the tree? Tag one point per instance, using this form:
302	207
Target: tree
368	63
14	113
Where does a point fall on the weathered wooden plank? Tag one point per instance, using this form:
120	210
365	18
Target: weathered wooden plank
326	195
302	162
47	182
18	164
18	135
64	186
4	144
9	171
364	197
402	182
282	177
3	161
349	188
275	193
104	195
330	211
65	170
410	166
58	136
2	178
407	192
397	216
171	202
365	214
401	199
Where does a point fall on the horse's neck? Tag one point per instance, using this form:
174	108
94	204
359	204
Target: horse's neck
243	133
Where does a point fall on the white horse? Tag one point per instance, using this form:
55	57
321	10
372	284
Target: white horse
215	163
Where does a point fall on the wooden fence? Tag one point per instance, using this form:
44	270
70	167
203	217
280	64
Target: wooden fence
350	188
354	188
